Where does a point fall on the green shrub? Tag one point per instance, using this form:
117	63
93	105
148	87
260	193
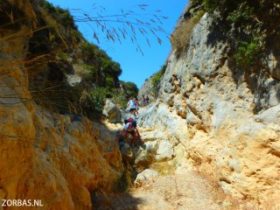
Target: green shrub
243	13
97	98
156	78
120	99
105	71
109	82
69	52
92	103
250	24
62	55
86	72
62	15
130	89
127	90
247	53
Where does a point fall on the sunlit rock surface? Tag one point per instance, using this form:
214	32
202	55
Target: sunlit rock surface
227	122
43	155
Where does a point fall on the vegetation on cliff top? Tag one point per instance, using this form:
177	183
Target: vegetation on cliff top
182	34
250	26
58	52
156	78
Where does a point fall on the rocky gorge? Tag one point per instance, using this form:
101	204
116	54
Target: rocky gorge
211	133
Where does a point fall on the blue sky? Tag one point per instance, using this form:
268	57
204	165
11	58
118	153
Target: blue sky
135	66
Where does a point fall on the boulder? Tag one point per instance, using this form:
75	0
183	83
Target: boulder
165	151
145	175
271	115
112	112
143	158
73	79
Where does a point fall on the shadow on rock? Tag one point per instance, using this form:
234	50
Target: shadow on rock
121	201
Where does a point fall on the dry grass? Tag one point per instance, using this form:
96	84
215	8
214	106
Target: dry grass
182	34
164	168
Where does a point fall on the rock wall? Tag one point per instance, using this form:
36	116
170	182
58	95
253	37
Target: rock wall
147	90
227	119
63	162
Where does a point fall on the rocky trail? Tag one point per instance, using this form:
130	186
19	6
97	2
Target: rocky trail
168	173
170	192
165	181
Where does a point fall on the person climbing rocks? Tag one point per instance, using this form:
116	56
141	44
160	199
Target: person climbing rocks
131	132
144	102
147	100
132	107
136	102
129	140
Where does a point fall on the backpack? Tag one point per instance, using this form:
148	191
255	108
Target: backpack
132	122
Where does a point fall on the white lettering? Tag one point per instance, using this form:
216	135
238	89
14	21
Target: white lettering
4	203
20	202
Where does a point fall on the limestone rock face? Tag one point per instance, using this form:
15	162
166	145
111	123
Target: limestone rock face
44	155
50	158
147	90
227	122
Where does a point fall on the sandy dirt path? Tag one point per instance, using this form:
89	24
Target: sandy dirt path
180	191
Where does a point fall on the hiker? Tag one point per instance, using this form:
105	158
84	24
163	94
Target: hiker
131	106
147	100
142	99
130	134
144	102
136	102
129	139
